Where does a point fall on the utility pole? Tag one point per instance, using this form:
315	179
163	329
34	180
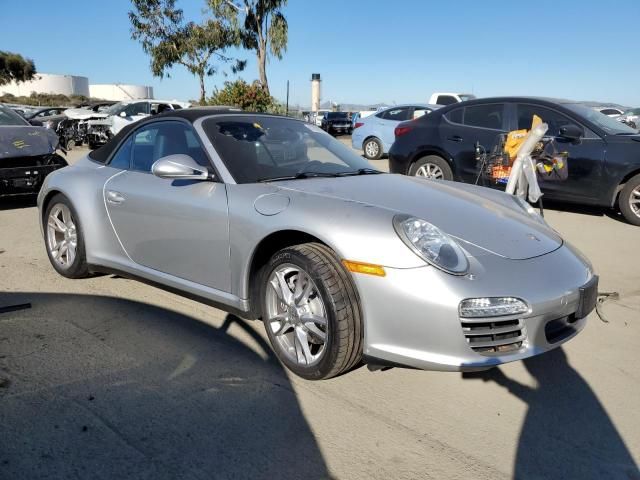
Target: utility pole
287	108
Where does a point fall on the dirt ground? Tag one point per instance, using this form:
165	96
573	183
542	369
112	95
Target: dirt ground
109	378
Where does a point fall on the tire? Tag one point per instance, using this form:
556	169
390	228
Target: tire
331	297
629	201
92	146
433	167
67	265
372	148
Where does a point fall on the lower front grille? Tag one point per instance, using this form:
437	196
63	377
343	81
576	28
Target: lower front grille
498	336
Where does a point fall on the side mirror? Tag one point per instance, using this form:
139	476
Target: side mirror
123	114
36	123
181	167
571	132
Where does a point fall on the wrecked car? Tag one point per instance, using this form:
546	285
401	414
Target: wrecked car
101	126
27	154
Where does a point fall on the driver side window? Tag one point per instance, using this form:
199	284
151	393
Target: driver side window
552	118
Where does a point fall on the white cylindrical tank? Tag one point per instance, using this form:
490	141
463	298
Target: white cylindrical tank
49	83
315	92
120	91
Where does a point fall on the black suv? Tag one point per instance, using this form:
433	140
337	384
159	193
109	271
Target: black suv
337	122
603	154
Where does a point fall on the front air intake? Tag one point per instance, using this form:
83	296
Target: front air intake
494	337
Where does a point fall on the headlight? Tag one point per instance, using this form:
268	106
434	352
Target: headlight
431	244
492	307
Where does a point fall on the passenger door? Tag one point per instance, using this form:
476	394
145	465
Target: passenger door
387	121
585	157
463	127
176	227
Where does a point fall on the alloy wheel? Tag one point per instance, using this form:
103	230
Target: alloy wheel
430	170
296	315
634	201
371	149
62	239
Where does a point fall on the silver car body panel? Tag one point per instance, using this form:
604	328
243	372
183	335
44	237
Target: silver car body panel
200	238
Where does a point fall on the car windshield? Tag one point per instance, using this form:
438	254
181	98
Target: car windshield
10	118
608	124
335	115
259	148
633	111
466	96
115	109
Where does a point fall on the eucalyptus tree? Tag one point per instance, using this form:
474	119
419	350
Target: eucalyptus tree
170	40
261	25
15	68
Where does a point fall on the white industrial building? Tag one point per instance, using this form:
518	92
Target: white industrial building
49	83
74	85
120	91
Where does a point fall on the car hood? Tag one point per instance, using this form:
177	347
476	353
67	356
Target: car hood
83	114
26	141
478	216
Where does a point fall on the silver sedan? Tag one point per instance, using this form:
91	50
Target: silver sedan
271	218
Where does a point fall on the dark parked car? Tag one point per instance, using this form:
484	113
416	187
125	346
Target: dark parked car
336	122
603	154
27	154
45	114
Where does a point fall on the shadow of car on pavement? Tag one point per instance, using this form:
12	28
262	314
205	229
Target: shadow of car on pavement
100	387
566	432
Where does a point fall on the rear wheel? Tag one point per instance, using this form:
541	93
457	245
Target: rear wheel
63	238
372	149
433	167
629	201
311	312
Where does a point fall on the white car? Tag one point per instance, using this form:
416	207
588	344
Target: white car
101	126
448	98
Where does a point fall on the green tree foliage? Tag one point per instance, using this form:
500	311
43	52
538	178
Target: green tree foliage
14	67
169	40
261	25
247	96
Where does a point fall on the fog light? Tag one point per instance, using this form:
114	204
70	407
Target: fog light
492	307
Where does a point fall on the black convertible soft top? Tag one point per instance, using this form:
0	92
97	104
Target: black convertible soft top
190	114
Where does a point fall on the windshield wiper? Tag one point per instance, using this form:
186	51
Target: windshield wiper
360	171
297	176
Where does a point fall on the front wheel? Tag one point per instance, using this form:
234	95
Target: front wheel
311	312
433	167
629	201
63	238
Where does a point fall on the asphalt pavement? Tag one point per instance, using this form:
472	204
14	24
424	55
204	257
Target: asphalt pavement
109	378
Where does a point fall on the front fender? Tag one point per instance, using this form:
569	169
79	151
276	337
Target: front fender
354	230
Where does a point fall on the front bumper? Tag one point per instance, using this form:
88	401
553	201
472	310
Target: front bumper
411	315
20	180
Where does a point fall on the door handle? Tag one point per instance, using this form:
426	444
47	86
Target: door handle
115	198
455	138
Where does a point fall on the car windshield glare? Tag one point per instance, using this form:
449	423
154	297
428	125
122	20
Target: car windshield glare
115	109
608	124
258	148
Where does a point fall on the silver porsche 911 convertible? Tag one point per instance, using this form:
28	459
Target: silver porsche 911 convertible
268	217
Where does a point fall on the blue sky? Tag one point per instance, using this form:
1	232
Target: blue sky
368	51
